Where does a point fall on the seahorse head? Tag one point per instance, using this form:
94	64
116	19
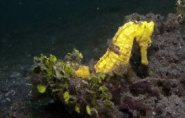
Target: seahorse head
146	31
144	39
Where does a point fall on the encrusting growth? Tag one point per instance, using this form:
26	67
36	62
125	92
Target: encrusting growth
119	52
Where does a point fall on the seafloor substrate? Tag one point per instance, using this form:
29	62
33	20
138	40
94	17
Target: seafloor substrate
157	90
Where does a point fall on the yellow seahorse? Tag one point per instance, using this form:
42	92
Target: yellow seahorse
119	52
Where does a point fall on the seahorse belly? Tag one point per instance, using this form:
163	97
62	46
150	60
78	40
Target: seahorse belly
124	40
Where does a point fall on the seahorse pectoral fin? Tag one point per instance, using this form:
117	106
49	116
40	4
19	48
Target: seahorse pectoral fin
144	59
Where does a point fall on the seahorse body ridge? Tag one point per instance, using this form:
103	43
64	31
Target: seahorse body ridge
122	44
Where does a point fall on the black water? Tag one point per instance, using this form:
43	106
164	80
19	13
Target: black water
31	27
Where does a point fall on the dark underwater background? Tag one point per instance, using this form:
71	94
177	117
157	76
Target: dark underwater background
31	27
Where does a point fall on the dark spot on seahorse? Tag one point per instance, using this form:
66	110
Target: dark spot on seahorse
114	48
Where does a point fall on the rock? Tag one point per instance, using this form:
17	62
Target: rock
8	99
14	115
171	107
10	93
15	75
1	96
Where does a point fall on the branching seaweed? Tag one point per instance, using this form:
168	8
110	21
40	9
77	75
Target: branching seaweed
57	78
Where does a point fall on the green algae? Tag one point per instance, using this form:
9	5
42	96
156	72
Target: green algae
86	97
